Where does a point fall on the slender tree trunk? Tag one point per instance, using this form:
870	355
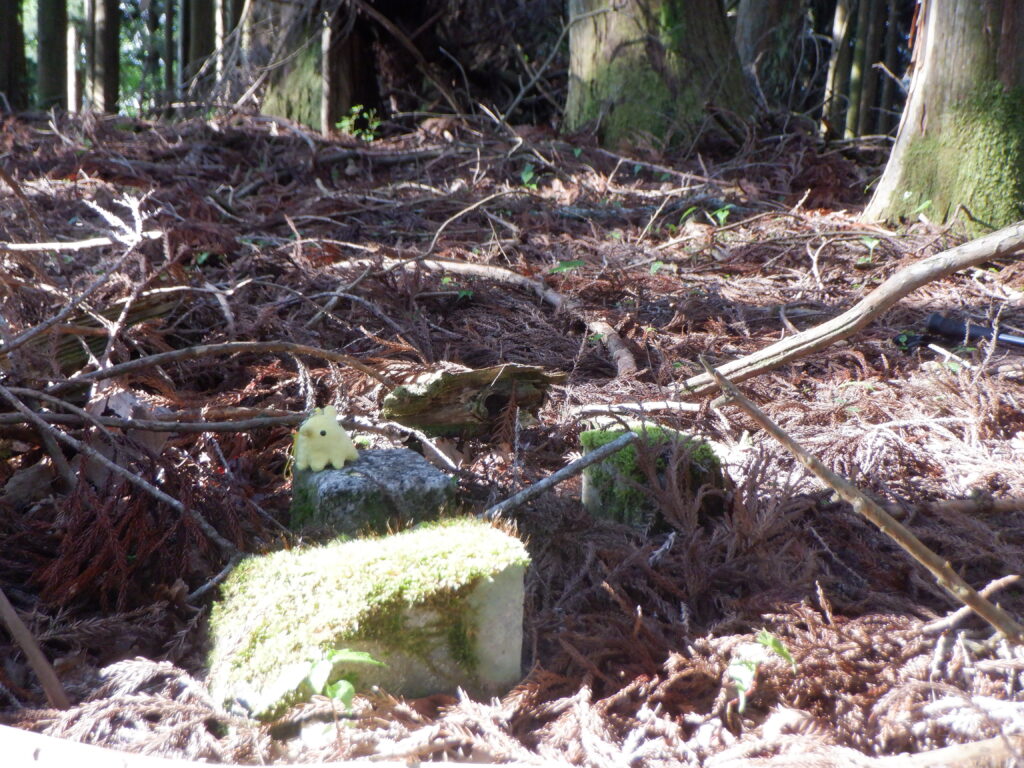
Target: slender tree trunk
872	52
52	22
74	96
857	67
13	79
837	93
649	69
151	62
103	54
89	39
961	138
887	102
202	34
170	83
108	58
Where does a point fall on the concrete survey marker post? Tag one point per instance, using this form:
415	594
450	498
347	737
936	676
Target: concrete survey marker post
619	489
382	490
440	605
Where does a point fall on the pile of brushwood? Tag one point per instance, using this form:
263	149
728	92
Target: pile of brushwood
176	297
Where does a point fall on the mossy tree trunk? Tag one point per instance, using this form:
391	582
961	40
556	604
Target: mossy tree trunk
333	73
649	70
961	138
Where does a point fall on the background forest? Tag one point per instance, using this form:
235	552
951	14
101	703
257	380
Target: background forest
216	215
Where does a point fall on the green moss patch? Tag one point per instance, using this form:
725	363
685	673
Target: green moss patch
619	489
412	600
975	158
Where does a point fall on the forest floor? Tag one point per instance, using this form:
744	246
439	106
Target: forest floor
264	233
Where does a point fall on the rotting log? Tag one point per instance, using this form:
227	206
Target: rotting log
468	402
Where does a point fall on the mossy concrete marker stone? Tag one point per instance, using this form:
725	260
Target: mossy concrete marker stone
616	488
441	605
382	490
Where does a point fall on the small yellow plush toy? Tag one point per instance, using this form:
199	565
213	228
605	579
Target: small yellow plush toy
321	442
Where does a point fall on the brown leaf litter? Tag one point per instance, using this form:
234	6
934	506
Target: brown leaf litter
630	637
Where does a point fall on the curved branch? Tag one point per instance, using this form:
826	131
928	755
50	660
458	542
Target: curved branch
1005	242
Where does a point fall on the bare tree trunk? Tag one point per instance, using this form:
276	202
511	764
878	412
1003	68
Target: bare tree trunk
647	69
857	67
961	139
838	88
887	102
74	95
52	22
872	51
170	83
201	34
13	82
102	45
151	62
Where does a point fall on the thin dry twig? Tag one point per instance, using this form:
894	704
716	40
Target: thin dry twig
944	574
36	658
569	470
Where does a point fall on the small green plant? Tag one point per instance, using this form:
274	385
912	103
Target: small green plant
656	266
870	243
360	123
577	151
566	266
743	668
722	214
343	689
529	176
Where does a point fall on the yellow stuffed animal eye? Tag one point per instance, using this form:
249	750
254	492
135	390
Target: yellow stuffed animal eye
323	433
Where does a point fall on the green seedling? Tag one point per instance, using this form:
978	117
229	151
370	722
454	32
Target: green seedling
722	214
529	176
656	266
742	670
566	266
360	123
343	689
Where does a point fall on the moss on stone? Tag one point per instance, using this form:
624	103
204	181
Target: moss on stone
618	488
406	595
974	158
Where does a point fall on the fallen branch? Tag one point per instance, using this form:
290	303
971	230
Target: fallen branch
947	623
569	470
206	350
1006	242
73	245
946	577
36	658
